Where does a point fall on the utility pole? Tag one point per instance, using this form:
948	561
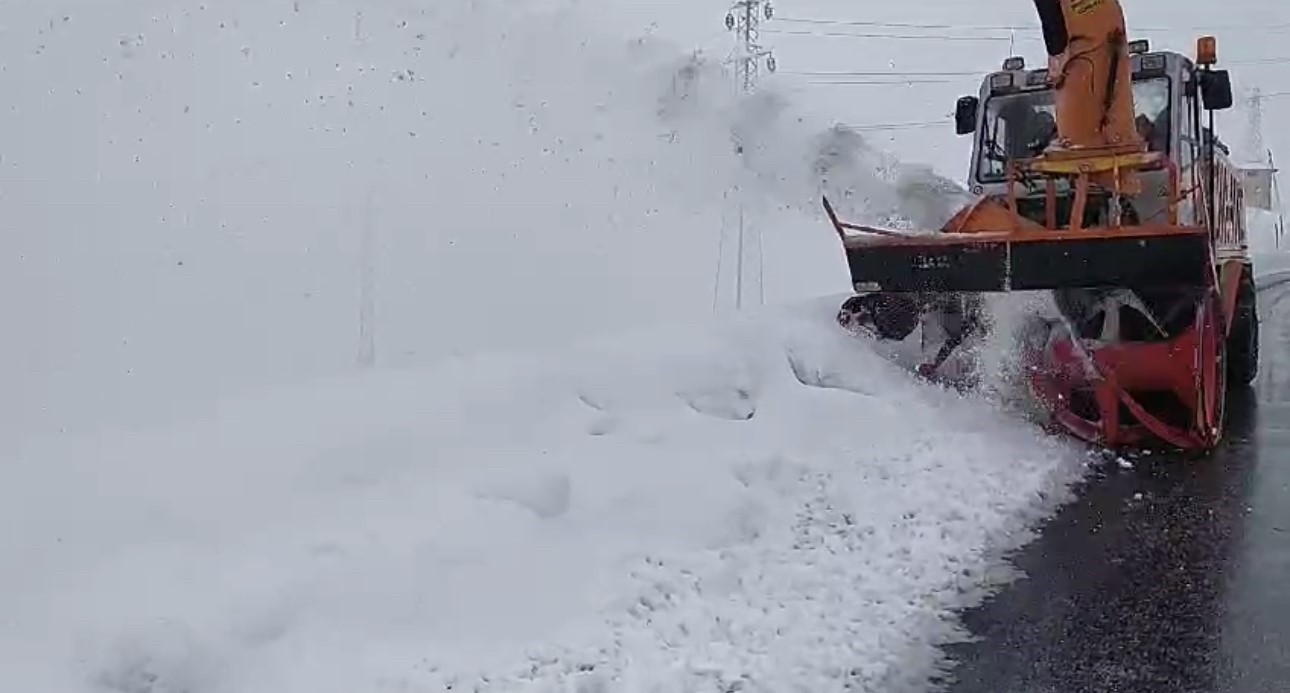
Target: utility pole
1276	200
1254	137
1262	191
367	288
1255	133
744	20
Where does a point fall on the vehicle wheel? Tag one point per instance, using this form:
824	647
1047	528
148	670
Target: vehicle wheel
1215	363
1243	342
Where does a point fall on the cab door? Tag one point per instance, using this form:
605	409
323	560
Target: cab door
1189	156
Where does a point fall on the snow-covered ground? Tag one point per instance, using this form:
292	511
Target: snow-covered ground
1271	259
763	504
199	492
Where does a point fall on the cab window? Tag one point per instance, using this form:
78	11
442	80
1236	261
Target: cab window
1152	115
1021	125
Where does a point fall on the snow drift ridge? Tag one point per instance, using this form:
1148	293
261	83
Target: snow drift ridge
764	505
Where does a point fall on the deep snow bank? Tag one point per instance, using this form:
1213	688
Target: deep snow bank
194	182
766	505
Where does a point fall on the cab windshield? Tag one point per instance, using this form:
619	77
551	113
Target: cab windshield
1021	125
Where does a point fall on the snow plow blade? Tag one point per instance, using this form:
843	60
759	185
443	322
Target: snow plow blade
1025	260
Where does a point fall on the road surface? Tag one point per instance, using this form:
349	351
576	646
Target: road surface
1170	576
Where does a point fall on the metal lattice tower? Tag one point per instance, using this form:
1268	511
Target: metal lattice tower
1255	135
1261	158
748	57
744	18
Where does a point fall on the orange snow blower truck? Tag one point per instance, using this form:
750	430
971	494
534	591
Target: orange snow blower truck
1098	180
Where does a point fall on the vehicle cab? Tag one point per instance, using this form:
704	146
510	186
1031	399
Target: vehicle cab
1014	116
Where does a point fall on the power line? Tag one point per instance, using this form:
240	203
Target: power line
1270	28
901	74
889	73
879	83
1253	62
1020	27
1260	61
878	127
901	25
895	37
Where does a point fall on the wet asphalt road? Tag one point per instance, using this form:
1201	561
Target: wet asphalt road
1173	576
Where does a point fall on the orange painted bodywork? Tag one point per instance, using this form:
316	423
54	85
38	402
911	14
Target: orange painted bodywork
1090	71
1098	150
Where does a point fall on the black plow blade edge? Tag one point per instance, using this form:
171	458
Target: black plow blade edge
1033	265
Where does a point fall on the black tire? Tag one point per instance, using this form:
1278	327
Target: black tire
1243	340
892	316
895	316
1224	374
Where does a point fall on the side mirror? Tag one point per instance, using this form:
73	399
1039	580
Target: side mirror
965	114
1216	89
